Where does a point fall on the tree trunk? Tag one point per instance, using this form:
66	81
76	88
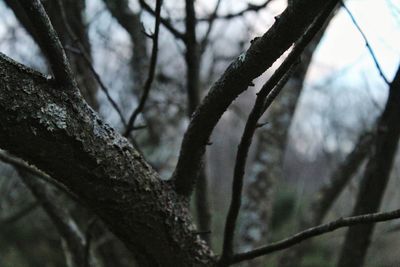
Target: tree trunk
375	179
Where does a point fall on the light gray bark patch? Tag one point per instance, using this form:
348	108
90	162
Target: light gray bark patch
53	117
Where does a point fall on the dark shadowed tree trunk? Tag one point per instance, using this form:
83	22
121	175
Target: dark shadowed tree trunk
376	177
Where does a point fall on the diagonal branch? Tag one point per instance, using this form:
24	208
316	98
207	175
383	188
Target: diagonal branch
51	47
368	45
17	215
82	51
23	166
264	99
63	136
62	220
316	231
262	102
288	28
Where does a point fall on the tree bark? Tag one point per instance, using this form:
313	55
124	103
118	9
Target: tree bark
74	12
52	127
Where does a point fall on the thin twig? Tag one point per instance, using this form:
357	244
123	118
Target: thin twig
19	214
82	51
165	22
316	231
263	101
264	98
152	69
213	16
368	45
250	7
20	164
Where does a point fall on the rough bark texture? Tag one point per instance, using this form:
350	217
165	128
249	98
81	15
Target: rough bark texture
74	11
375	179
54	129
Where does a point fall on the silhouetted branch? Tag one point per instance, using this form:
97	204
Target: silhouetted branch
152	69
375	178
241	157
250	7
167	24
211	20
262	53
267	94
316	231
20	164
82	51
368	45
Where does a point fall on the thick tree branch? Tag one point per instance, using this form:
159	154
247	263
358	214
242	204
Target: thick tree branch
288	27
74	9
56	130
264	99
316	231
51	47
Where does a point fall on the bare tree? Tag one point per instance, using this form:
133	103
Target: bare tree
47	123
